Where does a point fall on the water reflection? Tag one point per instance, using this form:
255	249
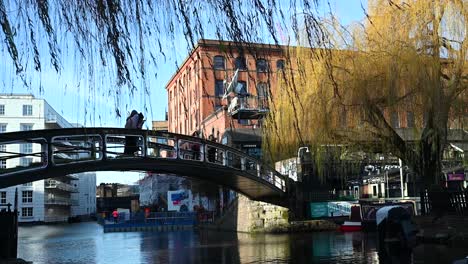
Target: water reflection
86	243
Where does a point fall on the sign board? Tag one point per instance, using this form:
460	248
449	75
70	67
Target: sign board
368	211
319	210
455	177
330	209
180	201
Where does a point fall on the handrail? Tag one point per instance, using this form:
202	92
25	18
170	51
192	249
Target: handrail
73	145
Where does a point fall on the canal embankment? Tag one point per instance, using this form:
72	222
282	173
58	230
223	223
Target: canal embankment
448	229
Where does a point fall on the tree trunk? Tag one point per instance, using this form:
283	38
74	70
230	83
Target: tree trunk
431	148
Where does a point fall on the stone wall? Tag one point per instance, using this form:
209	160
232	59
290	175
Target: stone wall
246	215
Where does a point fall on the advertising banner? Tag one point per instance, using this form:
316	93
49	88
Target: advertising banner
330	209
455	177
180	201
369	211
318	210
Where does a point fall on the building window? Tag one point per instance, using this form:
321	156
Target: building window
240	63
26	211
244	122
395	121
28	184
3	128
2	164
262	93
219	88
2	109
27	196
241	88
25	162
218	63
262	65
26	148
280	65
2	197
26	127
374	190
2	148
409	119
27	110
262	89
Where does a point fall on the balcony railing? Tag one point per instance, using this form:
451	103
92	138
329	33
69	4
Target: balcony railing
248	107
54	184
60	201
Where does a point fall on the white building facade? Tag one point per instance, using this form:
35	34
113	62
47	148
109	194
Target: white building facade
86	195
50	200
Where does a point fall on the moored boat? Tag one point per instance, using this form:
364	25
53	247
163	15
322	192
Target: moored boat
354	223
349	226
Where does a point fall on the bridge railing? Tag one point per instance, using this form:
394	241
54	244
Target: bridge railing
23	155
19	152
76	148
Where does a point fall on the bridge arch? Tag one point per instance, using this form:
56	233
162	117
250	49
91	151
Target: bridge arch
40	154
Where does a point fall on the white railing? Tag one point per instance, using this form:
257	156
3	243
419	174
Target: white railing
54	184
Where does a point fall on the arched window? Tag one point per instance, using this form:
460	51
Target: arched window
280	65
262	65
240	63
218	63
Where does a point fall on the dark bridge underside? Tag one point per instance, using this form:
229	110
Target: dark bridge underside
235	179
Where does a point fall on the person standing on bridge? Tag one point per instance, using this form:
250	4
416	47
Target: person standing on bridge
134	121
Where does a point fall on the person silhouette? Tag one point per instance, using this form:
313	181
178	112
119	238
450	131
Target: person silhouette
134	121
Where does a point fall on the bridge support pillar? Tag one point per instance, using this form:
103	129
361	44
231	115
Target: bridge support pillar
251	216
8	234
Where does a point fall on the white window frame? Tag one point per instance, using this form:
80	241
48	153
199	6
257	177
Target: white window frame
27	212
26	148
27	110
25	162
25	197
2	109
3	198
3	127
26	127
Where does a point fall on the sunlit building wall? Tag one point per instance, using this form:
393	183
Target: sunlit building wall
49	200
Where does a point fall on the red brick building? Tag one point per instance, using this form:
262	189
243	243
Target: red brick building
195	91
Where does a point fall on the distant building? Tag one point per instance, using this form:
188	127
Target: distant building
50	200
160	126
110	196
116	190
86	195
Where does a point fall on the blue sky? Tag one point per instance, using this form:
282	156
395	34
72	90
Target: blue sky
68	94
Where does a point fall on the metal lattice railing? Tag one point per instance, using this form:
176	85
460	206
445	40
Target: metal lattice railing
40	149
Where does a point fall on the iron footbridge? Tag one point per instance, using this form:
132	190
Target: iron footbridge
33	155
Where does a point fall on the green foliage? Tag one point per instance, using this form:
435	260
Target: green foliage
407	59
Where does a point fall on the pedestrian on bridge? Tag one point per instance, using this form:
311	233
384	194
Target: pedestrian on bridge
134	121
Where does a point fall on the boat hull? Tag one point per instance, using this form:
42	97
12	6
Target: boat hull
351	227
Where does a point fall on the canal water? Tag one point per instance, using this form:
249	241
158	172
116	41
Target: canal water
86	243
